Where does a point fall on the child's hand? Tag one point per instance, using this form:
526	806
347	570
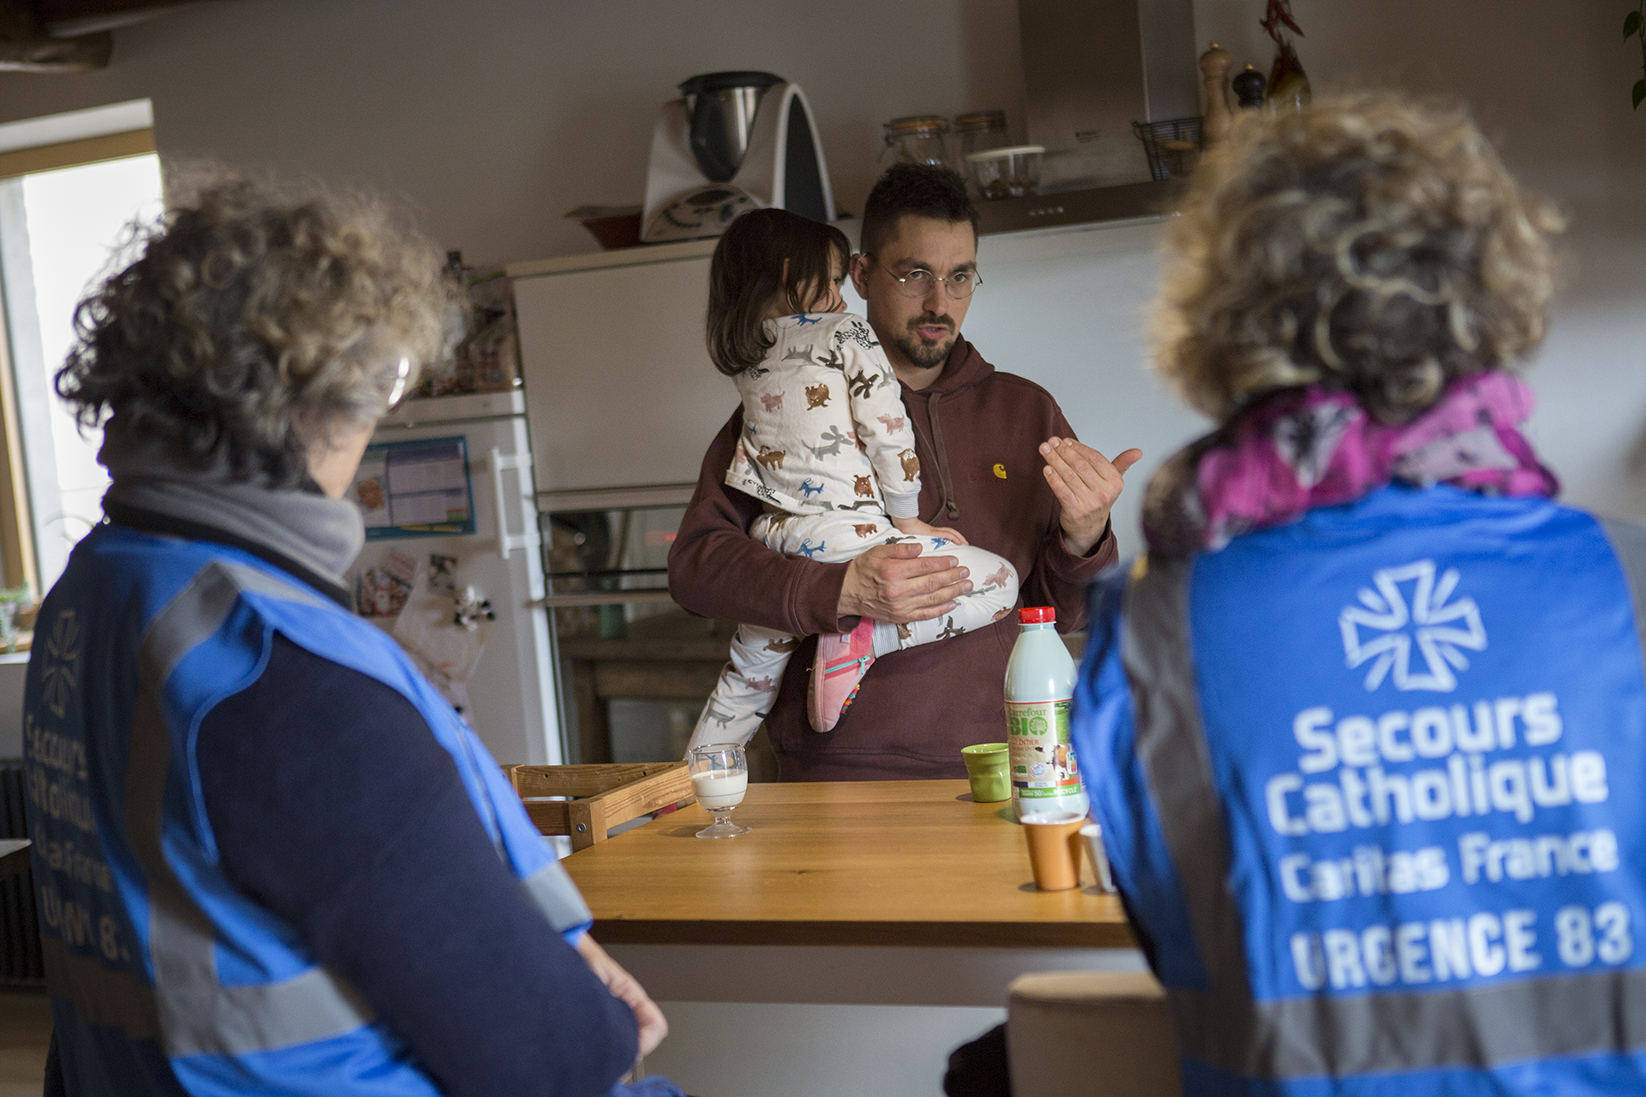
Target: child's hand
914	527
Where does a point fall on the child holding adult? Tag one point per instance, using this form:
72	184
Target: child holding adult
826	446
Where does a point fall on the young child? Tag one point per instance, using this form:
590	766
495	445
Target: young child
827	446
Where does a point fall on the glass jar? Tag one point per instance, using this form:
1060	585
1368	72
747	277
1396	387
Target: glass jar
919	139
980	131
1011	172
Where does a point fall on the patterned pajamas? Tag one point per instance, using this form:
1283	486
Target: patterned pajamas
827	446
748	685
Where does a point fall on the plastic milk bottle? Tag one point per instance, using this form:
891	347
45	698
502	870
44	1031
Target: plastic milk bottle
1040	679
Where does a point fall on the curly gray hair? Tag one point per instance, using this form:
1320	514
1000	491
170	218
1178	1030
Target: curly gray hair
255	323
1368	244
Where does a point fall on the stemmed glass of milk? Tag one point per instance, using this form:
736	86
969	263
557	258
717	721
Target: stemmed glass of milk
720	777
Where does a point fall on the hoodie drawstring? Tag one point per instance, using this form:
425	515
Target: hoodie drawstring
950	507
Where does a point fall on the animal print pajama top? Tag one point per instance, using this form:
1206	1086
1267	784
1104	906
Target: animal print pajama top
823	422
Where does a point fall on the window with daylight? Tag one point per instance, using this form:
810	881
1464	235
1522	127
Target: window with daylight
69	200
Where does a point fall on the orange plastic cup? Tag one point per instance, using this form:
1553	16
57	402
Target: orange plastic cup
1054	848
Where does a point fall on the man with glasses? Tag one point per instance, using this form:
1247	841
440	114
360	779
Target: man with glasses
999	463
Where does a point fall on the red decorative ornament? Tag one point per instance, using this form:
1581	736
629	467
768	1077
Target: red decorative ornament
1286	78
1278	15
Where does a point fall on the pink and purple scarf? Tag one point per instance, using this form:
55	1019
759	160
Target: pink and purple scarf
1308	447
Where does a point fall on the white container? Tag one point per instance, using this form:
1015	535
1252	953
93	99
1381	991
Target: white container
1006	173
1092	835
1040	679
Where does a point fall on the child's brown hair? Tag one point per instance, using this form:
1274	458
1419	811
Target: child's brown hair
765	255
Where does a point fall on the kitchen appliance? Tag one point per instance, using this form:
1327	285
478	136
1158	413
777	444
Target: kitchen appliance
733	141
1123	202
1090	69
451	476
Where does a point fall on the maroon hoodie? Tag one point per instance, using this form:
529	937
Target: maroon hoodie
977	433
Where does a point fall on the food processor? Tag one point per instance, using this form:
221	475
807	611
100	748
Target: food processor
733	141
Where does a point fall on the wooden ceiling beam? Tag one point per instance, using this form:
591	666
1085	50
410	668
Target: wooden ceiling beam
83	53
70	18
26	47
67	35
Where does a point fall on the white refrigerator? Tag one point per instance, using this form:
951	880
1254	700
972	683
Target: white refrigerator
449	500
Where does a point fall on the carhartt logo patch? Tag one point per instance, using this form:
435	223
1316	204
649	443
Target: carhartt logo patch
1438	627
1000	471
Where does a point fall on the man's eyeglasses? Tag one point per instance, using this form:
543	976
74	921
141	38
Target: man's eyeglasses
920	282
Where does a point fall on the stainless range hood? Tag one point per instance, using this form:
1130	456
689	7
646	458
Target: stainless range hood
1090	69
1079	206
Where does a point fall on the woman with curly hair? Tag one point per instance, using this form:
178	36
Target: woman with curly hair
1366	726
269	857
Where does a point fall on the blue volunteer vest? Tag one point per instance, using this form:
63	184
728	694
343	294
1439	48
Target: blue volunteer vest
164	979
1373	784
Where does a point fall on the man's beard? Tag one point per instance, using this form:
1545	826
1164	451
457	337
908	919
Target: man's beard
922	353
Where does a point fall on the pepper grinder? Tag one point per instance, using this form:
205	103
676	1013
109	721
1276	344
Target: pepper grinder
1248	87
1214	71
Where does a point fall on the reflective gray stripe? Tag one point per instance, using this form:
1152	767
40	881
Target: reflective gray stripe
557	897
252	581
1221	1026
1171	748
198	1015
1628	542
100	996
1490	1026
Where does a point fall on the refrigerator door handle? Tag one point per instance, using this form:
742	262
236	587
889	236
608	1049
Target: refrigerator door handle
507	542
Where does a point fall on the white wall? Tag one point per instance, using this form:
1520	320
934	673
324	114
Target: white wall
495	116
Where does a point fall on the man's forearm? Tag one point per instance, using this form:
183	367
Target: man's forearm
732	577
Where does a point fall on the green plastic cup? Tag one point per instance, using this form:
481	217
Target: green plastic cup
987	770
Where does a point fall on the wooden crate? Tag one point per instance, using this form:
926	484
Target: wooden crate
602	796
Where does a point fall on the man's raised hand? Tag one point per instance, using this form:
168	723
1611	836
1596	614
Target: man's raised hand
1086	485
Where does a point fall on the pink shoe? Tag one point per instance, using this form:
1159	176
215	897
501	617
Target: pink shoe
842	660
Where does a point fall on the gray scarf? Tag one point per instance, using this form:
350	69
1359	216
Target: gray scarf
320	534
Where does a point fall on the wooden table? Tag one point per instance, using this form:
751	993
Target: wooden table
860	863
859	933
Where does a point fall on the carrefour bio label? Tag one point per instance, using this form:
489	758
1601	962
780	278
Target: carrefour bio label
1042	758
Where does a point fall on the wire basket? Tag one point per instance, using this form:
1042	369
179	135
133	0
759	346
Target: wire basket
1173	146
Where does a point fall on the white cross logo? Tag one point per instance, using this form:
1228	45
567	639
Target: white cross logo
1438	630
60	672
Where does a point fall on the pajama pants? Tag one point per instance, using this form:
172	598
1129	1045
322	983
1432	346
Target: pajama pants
748	685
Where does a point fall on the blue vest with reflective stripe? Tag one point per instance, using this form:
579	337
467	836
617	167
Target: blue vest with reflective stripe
1374	786
165	979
